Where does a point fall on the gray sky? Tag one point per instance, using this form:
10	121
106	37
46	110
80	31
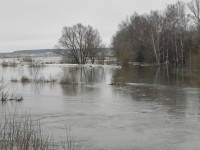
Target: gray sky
37	24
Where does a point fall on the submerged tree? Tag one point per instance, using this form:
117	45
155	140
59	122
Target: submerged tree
175	34
94	43
78	43
155	23
160	37
122	44
131	42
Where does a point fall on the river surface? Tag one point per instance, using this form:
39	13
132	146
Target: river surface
113	108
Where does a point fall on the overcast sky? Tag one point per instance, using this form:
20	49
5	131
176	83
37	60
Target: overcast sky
37	24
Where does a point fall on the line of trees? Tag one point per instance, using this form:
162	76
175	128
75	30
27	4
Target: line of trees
168	36
171	36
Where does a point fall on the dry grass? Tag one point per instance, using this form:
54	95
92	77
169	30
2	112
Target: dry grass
5	96
23	132
70	143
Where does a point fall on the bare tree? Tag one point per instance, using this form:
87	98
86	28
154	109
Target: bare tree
194	7
155	21
160	37
174	34
78	42
132	41
93	40
122	43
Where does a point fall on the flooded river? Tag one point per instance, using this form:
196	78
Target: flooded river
112	108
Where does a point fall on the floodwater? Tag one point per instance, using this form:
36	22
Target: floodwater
147	108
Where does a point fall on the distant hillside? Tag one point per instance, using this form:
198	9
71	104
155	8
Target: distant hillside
38	51
41	53
32	53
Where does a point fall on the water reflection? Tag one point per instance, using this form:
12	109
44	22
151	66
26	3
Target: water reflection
85	75
70	90
82	76
34	71
175	88
163	103
164	75
192	102
43	77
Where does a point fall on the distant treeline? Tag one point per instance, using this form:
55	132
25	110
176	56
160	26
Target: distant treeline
168	36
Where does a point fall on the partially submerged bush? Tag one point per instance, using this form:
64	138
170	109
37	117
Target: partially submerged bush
25	79
4	64
43	80
118	81
28	59
33	64
68	80
9	64
14	80
6	96
13	64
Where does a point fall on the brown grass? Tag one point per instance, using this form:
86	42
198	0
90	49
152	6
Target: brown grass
23	133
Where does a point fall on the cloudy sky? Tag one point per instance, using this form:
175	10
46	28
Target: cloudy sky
37	24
